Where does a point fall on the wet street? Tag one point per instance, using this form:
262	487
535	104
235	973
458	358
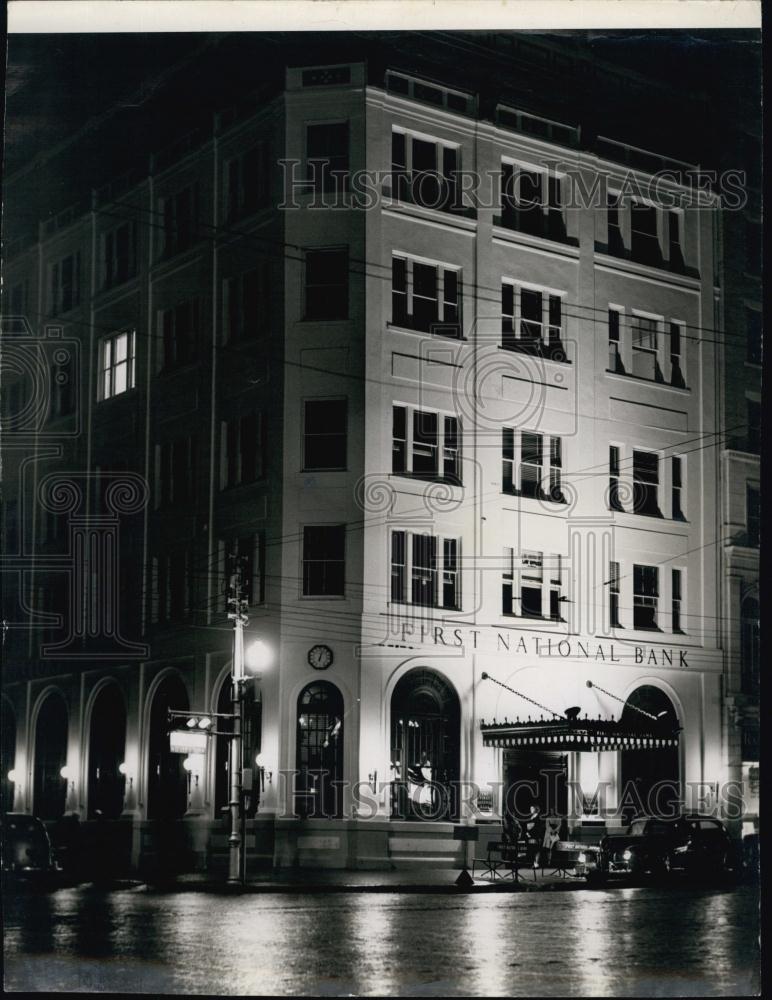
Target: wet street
669	941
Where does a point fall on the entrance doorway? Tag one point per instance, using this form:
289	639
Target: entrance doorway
107	743
650	783
536	778
50	788
425	741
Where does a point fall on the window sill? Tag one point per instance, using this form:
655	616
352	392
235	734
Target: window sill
418	477
424	607
629	377
539	350
648	628
322	468
543	498
544	619
322	597
324	319
398	328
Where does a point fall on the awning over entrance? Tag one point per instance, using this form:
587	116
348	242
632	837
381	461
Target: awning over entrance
578	734
637	729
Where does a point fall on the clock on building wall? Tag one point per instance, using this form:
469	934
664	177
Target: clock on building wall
320	657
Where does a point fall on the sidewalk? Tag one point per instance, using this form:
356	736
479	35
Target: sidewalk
292	880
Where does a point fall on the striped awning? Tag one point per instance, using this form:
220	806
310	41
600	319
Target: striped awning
575	734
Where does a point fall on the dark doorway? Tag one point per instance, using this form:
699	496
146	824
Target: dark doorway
319	761
167	779
425	741
50	788
536	778
650	784
7	755
107	746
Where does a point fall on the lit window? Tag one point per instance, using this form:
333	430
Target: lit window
117	364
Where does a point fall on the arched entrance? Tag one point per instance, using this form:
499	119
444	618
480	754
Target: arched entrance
106	749
425	742
7	755
251	742
167	796
49	787
650	780
319	759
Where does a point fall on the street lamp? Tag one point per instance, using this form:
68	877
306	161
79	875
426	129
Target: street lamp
258	657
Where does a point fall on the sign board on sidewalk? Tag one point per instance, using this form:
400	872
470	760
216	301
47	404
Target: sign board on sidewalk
187	741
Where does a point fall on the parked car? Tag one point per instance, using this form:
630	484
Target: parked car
695	845
26	849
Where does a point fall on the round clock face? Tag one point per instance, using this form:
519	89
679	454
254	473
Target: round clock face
320	657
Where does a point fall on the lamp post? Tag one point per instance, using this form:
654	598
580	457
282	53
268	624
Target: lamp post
259	657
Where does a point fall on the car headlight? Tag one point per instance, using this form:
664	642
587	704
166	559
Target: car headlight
582	858
627	854
681	850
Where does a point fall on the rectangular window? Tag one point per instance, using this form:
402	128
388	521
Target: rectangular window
247	179
327	156
65	284
427	446
614	342
398	566
425	570
677	377
556	587
241	450
426	297
171	586
324	433
675	253
424	171
119	255
676	601
176	472
644	342
531	202
535	451
532	321
753	515
753	408
613	602
644	238
614	501
117	364
531	578
247	303
324	560
508	582
754	336
615	242
179	213
180	329
646	483
645	596
508	478
327	284
677	488
531	467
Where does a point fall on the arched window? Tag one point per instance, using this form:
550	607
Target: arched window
319	761
106	749
750	651
251	742
167	796
7	755
650	777
425	740
50	788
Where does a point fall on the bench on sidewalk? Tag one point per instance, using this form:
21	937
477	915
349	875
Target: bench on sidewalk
504	859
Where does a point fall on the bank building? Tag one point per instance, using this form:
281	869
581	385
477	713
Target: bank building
457	449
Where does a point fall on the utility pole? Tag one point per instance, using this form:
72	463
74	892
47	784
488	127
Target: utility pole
237	605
